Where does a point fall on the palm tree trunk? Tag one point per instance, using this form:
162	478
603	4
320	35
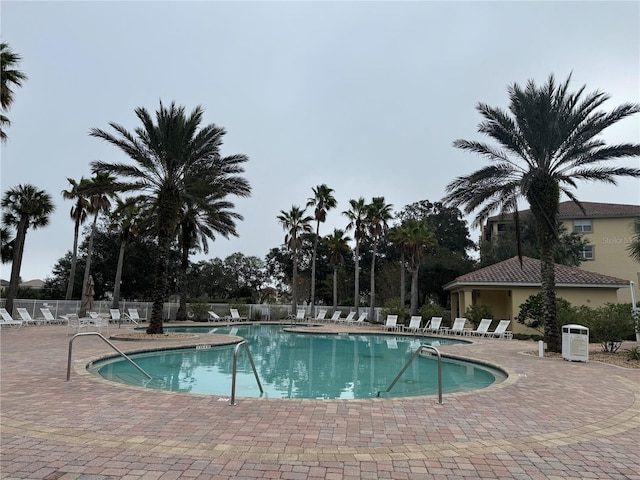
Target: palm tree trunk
294	285
118	279
372	293
313	271
182	281
402	278
356	293
87	268
16	263
335	288
414	290
74	261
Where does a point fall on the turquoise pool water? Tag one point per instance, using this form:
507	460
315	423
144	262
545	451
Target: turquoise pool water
296	365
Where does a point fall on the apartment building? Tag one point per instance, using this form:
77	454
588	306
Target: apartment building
607	227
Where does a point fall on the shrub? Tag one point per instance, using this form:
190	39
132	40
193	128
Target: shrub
199	308
531	313
610	325
633	353
394	306
476	313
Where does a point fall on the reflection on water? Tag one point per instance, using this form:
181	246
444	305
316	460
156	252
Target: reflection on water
292	365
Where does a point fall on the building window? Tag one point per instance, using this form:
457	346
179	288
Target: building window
582	226
502	227
587	253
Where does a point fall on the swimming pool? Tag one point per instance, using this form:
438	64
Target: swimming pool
299	365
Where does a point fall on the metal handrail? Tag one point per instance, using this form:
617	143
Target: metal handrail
232	401
416	353
110	344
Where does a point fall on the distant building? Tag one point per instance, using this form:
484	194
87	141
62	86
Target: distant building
506	285
608	229
35	284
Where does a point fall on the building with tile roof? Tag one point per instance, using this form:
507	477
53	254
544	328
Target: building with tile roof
506	285
608	229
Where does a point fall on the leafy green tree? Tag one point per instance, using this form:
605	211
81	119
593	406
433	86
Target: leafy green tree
9	76
174	160
609	324
357	214
24	207
338	245
295	223
377	220
399	235
6	242
322	201
634	247
420	237
548	140
79	213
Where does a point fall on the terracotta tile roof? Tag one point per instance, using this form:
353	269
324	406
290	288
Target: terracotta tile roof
570	210
510	272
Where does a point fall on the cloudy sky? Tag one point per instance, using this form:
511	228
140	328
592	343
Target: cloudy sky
366	97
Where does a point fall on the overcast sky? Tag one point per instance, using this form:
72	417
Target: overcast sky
366	97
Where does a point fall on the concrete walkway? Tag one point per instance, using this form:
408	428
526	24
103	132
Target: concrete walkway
550	420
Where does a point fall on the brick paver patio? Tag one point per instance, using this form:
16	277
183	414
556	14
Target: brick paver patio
550	420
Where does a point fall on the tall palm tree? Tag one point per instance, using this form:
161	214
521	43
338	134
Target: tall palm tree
547	140
399	236
338	245
200	222
295	223
174	161
323	201
356	215
99	191
378	216
419	238
634	247
126	220
79	213
23	207
9	76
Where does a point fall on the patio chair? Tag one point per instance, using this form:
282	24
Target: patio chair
361	318
501	331
235	316
76	323
414	324
457	328
335	318
115	315
214	317
26	318
483	328
298	317
48	316
134	316
348	318
392	323
98	321
433	326
8	321
320	316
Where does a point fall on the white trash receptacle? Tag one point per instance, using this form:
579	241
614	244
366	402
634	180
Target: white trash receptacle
575	343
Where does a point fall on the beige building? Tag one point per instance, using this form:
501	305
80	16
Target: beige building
506	285
608	229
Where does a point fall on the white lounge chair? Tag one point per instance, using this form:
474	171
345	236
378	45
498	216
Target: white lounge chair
483	328
8	321
26	318
335	318
348	318
433	326
48	316
134	316
457	328
414	324
214	317
98	321
115	315
235	316
299	316
320	316
501	330
76	323
392	323
361	318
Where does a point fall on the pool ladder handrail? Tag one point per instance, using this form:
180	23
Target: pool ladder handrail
244	343
413	357
110	344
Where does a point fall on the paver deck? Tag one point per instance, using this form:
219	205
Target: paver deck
550	419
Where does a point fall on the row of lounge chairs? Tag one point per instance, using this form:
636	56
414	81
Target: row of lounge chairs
458	327
233	317
321	317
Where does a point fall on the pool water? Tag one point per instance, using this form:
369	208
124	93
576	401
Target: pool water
297	365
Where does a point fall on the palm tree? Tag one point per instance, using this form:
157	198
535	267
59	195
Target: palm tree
175	161
9	76
419	237
377	221
99	191
323	201
295	223
356	215
338	246
79	216
199	222
548	140
24	207
126	220
399	236
634	247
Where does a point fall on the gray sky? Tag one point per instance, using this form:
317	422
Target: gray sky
366	97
